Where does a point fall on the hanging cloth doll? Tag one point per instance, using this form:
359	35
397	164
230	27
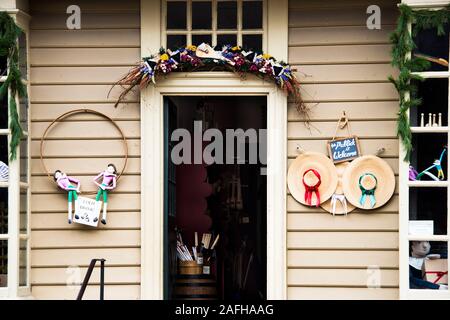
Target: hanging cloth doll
419	252
65	183
108	183
437	164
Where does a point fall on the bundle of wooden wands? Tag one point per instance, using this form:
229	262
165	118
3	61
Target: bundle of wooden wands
183	252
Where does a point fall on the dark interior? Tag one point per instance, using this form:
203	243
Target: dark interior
434	96
430	43
238	262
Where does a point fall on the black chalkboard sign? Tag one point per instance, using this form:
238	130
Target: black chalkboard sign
343	149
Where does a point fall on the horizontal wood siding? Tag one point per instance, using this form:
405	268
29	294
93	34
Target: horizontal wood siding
73	69
343	66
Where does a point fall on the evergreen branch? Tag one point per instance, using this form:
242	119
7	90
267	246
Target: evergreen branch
403	45
9	34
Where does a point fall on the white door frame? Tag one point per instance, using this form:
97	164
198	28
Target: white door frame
152	147
152	172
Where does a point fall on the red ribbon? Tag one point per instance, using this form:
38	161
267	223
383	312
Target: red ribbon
439	275
309	190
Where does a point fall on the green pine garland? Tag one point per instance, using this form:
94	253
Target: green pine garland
9	33
403	44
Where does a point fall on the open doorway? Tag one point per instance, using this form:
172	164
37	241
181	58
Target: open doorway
215	188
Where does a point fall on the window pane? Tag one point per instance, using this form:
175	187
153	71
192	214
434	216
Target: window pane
23	211
429	204
3	263
3	210
198	39
175	41
23	261
176	15
23	55
201	15
23	113
224	39
3	158
252	15
428	148
429	43
227	15
434	95
252	42
24	160
4	112
424	273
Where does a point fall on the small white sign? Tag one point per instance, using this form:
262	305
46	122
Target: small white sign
421	227
87	211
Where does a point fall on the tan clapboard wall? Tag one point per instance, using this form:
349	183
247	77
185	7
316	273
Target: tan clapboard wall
73	69
343	66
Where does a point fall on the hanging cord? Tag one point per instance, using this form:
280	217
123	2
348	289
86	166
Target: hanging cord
68	114
341	124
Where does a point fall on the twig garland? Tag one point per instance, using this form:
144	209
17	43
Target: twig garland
205	58
9	33
403	45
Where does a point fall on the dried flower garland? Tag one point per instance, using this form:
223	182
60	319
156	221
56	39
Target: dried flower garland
205	58
9	33
403	44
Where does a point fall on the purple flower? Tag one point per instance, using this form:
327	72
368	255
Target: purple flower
195	62
184	58
254	68
239	61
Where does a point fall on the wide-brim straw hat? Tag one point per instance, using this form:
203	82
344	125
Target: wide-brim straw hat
318	162
204	50
327	205
376	171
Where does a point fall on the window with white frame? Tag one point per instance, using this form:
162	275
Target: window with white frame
14	185
216	22
425	200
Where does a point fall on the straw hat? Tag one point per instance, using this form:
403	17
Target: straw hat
318	172
368	182
327	205
204	50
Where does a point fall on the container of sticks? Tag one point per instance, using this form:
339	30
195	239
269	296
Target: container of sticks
189	268
199	260
194	280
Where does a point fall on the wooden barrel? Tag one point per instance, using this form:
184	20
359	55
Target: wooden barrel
189	268
195	287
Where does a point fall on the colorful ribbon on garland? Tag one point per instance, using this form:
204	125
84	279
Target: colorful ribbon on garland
367	192
309	190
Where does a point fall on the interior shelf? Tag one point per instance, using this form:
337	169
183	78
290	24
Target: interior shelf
429	129
432	74
425	184
440	238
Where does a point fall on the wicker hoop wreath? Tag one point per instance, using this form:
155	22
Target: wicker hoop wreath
68	114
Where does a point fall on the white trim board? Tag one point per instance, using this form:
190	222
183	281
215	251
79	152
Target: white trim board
152	166
152	147
404	215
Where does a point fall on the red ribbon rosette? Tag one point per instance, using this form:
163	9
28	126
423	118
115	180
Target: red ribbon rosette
310	189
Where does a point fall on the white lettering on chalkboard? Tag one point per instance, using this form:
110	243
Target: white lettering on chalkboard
344	149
